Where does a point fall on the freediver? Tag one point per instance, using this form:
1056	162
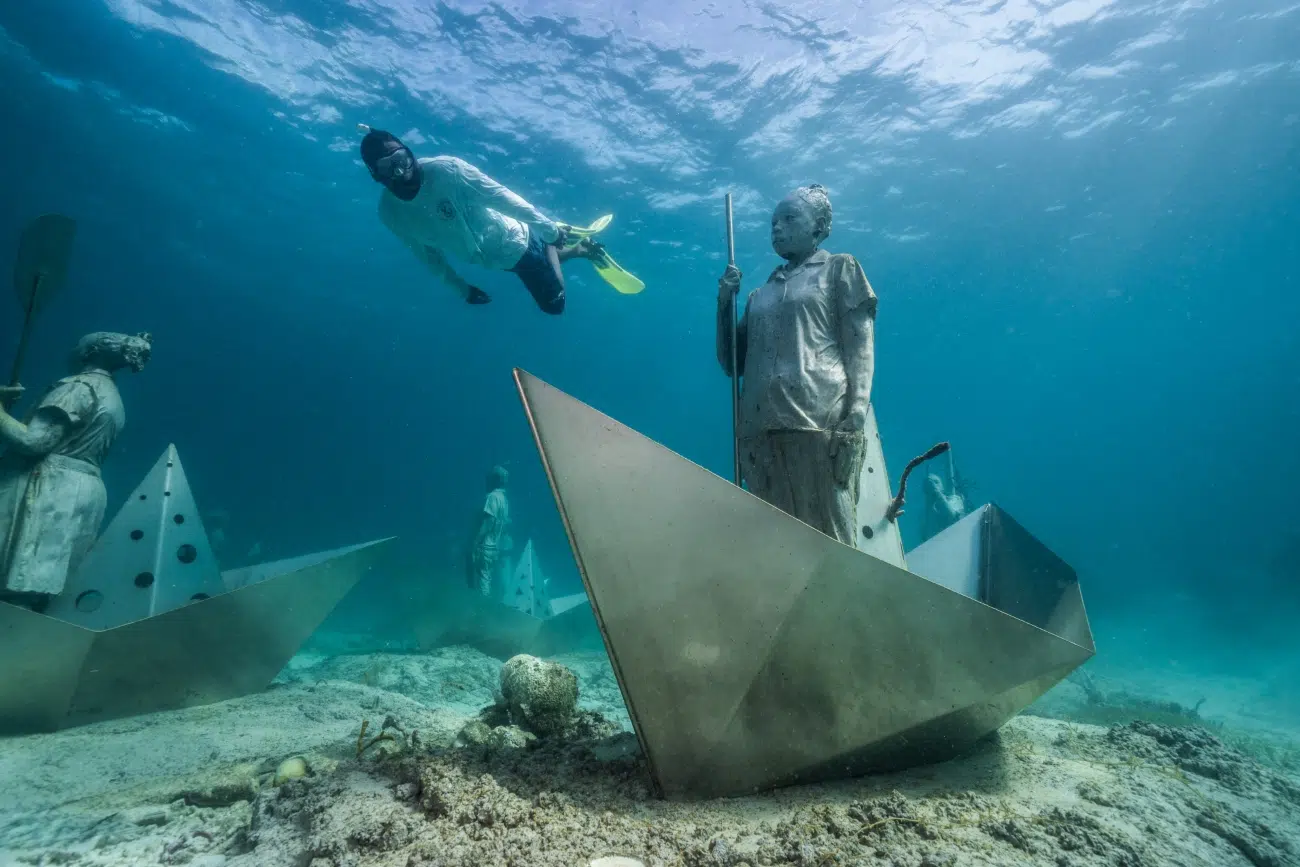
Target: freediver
52	499
805	352
443	206
490	539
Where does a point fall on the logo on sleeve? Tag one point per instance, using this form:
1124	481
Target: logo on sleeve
446	210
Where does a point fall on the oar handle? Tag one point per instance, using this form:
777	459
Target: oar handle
735	369
15	375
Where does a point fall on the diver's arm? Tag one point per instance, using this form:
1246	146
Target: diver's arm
438	264
432	258
504	201
38	437
857	315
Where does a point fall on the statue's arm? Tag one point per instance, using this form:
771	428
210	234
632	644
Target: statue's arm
857	315
38	437
725	316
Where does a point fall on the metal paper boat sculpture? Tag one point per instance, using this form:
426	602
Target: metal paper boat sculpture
754	652
523	618
527	589
148	622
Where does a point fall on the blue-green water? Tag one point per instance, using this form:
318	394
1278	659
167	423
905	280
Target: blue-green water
1080	218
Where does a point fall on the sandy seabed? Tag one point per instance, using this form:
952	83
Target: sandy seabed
195	787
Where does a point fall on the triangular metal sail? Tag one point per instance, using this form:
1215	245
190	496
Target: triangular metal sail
752	650
525	587
877	535
153	557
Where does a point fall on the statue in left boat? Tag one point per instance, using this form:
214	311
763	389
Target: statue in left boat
52	499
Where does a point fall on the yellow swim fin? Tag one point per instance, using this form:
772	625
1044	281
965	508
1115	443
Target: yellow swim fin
577	233
612	273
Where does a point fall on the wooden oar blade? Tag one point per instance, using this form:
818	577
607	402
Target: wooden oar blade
43	254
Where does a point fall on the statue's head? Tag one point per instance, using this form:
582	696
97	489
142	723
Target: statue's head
113	351
498	477
935	484
801	221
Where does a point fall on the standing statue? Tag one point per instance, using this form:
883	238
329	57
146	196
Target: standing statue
52	499
805	350
491	538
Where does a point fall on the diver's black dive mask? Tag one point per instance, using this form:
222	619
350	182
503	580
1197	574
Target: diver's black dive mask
399	172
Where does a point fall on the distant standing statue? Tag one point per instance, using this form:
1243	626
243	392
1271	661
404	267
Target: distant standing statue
805	350
52	499
491	538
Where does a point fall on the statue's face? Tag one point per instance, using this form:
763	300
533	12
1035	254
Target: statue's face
136	351
795	231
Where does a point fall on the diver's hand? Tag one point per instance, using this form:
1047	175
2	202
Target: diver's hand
10	395
478	296
562	234
729	284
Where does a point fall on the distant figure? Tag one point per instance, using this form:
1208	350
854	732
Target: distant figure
805	350
443	206
215	522
491	538
52	499
945	502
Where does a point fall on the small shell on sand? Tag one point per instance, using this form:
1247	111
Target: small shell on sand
290	769
615	861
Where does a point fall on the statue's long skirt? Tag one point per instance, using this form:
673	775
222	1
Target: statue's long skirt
50	513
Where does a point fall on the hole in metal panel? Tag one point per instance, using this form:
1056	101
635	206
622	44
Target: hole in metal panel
89	601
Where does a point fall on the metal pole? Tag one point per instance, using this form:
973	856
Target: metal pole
735	372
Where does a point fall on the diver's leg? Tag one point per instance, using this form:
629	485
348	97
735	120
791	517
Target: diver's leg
542	277
587	248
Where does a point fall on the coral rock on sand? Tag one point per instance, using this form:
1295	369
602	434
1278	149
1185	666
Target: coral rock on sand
541	696
290	769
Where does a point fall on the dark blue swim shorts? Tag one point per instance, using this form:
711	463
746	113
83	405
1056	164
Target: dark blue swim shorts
539	276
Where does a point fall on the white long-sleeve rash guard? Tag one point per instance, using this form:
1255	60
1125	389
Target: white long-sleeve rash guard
463	214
